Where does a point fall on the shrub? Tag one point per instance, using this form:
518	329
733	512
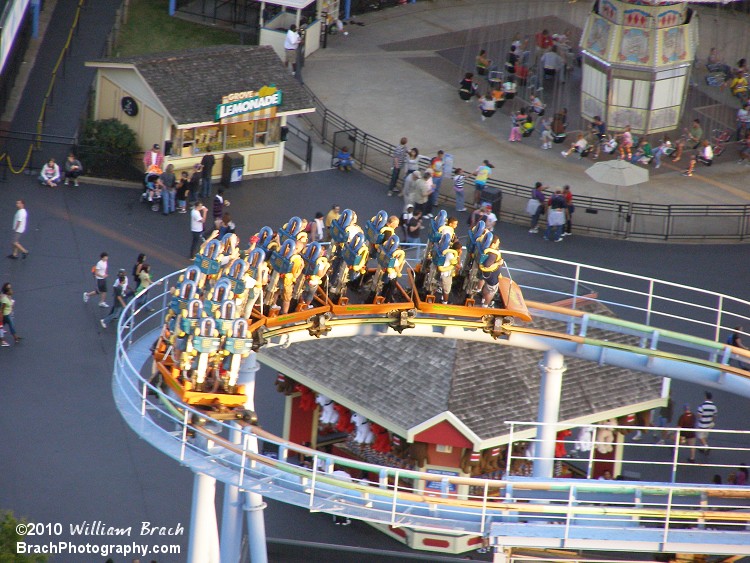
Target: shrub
108	149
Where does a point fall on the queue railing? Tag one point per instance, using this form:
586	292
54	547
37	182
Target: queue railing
593	215
403	497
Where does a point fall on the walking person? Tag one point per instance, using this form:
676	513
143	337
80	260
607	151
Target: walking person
145	280
219	207
100	275
7	304
119	288
399	162
207	172
197	222
20	220
707	414
686	423
569	210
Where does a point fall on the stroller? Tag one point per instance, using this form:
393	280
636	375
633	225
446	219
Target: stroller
152	189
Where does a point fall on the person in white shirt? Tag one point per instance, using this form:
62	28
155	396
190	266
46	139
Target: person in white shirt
197	222
317	228
19	228
291	42
705	155
50	174
100	274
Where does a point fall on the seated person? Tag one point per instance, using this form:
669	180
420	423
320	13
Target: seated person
642	154
509	88
522	73
579	146
560	122
664	148
693	138
482	63
486	106
738	85
345	160
714	62
73	169
536	105
50	174
498	96
467	88
705	155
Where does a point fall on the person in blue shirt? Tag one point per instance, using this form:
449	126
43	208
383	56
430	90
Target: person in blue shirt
344	159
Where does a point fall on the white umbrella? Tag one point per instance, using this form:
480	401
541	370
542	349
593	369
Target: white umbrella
617	173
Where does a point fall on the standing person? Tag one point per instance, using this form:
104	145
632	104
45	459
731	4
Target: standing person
410	188
197	222
423	189
399	161
569	209
707	414
20	220
153	159
181	194
219	207
686	423
168	190
73	169
438	169
317	228
6	308
196	181
412	161
50	174
458	187
331	216
207	172
100	275
557	217
119	288
481	175
405	218
537	194
414	228
291	42
137	267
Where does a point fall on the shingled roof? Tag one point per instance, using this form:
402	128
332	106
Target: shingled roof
191	83
405	381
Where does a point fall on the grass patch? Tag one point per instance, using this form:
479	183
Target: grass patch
150	29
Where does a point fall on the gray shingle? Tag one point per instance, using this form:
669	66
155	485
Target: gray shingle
409	380
191	83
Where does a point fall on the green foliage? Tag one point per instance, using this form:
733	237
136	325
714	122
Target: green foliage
150	29
8	539
108	148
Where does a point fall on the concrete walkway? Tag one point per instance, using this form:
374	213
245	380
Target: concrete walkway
397	76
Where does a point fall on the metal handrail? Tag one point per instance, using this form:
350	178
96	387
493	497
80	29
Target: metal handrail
393	499
636	217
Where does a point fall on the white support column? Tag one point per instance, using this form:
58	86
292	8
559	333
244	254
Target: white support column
203	544
552	368
232	513
254	504
256	528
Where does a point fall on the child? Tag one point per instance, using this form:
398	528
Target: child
182	192
546	133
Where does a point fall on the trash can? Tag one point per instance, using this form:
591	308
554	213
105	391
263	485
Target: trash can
231	168
495	197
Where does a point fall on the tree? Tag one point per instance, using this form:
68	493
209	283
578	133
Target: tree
9	537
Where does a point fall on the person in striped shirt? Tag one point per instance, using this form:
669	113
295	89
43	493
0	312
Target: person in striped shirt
458	186
707	413
399	161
